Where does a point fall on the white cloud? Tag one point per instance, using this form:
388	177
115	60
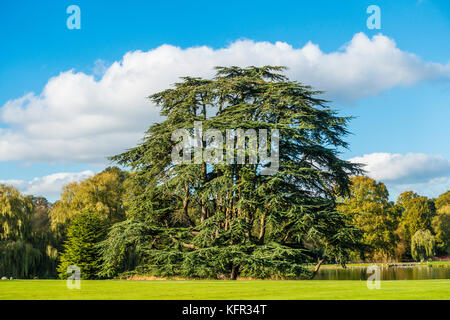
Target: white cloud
49	186
425	174
404	168
77	118
432	189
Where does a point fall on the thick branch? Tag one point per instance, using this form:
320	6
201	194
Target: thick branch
316	269
186	245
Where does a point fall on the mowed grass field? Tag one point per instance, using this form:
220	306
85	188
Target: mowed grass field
223	290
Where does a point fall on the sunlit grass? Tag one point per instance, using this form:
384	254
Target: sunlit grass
254	290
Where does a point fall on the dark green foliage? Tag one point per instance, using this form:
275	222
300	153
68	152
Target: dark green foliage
81	248
27	246
125	247
228	219
19	259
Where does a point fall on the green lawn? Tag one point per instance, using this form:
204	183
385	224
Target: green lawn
306	289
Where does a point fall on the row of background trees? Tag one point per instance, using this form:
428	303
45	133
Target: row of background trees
41	239
35	235
413	228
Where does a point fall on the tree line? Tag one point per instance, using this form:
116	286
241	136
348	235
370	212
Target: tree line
224	220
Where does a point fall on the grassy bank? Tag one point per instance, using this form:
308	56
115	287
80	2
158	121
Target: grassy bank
162	290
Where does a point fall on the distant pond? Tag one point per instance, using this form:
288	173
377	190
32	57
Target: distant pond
387	273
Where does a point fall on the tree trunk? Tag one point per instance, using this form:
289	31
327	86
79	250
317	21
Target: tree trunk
316	269
234	272
186	206
262	229
204	211
227	218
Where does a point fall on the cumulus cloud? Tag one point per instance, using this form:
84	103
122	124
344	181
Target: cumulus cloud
404	168
425	174
86	117
49	186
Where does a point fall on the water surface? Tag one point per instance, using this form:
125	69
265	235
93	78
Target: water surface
386	273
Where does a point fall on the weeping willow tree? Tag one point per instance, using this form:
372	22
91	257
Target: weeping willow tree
422	245
26	244
232	218
101	194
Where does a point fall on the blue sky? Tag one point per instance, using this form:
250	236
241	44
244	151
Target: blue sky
395	81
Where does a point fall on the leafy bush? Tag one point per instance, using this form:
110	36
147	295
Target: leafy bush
85	232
